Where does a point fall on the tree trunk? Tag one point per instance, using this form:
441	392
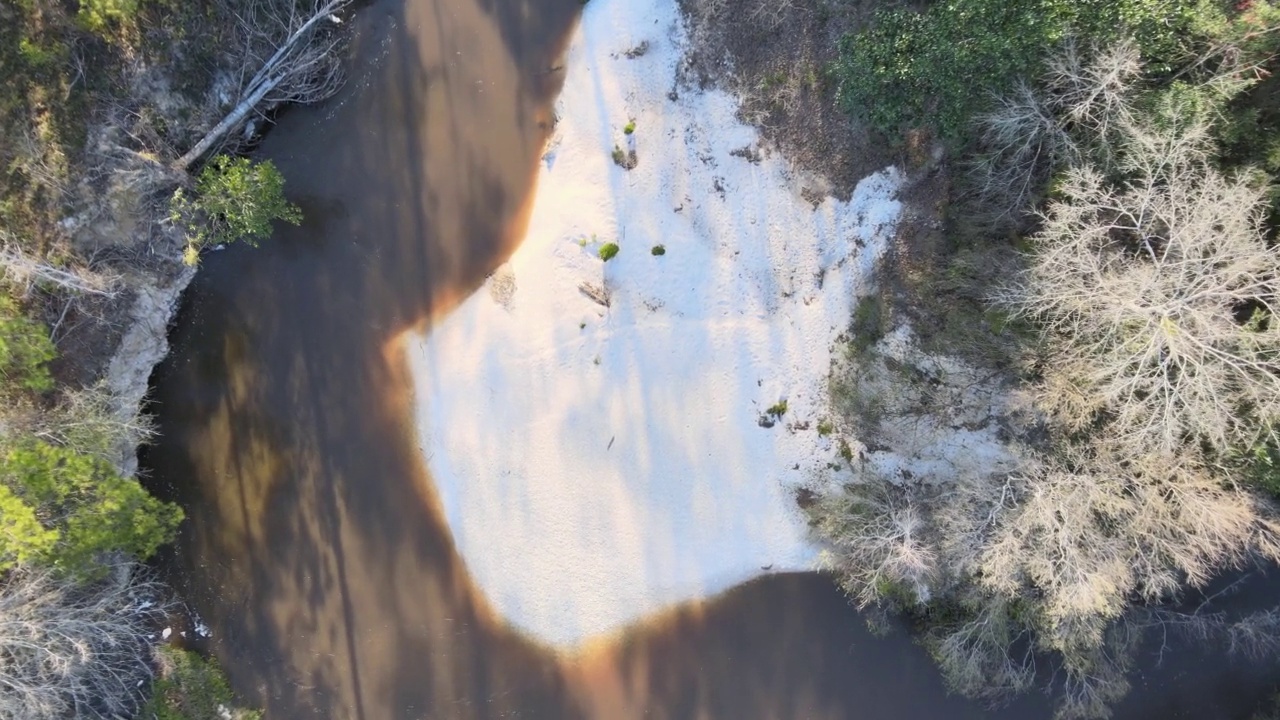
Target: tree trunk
276	70
232	119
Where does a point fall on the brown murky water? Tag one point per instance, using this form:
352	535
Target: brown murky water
313	547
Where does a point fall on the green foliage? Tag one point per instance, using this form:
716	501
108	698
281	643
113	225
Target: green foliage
25	349
191	688
938	68
608	251
659	250
1182	105
40	58
24	539
846	452
897	594
868	323
235	199
1262	468
630	128
63	510
99	15
777	410
1121	496
825	427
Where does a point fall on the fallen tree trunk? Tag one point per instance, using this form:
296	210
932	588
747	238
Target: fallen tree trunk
304	67
23	268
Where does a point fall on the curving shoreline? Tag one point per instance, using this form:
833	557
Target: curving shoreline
597	464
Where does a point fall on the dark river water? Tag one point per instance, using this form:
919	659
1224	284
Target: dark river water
314	548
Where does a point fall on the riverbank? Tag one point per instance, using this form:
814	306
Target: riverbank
101	218
611	437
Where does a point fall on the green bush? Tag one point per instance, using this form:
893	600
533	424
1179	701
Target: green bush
608	251
658	250
41	58
868	324
1262	468
235	199
64	510
97	15
191	688
25	349
938	68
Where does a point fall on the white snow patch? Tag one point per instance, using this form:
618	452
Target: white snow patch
599	464
945	427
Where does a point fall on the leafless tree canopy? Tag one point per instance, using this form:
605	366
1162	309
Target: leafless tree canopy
26	270
1154	289
1142	286
881	538
68	651
90	421
1035	131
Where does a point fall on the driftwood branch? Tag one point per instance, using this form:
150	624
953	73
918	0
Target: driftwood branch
599	294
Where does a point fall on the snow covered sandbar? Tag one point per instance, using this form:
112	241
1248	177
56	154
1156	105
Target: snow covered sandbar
596	463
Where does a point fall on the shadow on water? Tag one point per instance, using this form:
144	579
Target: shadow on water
331	588
313	547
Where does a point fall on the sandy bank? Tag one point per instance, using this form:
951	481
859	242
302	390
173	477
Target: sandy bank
596	464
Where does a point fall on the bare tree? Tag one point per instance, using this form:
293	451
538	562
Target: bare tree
1255	635
73	651
1033	132
1154	288
1093	92
42	162
1157	295
879	539
1101	527
295	48
1051	542
989	653
769	14
23	268
1093	681
1024	142
91	421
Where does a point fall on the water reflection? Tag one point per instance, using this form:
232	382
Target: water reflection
313	548
331	588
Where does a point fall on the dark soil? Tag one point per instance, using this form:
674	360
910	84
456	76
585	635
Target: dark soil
921	245
774	55
87	330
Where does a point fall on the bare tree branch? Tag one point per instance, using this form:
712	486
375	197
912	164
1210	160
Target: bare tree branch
21	268
71	651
